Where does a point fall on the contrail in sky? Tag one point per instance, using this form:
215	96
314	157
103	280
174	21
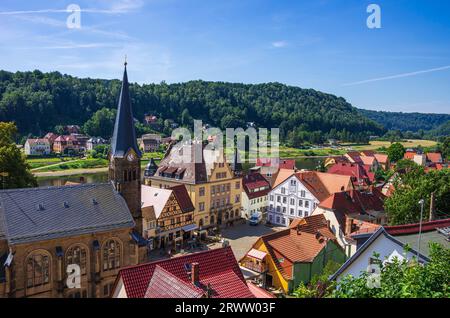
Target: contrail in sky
443	68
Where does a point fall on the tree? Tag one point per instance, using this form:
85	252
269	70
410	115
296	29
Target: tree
12	161
403	279
403	206
320	285
101	124
395	152
445	147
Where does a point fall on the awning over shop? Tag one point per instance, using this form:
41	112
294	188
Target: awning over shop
190	227
138	239
256	254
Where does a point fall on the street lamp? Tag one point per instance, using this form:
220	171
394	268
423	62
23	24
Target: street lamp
421	202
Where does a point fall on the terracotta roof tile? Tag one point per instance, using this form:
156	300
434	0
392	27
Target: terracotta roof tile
164	284
217	267
300	243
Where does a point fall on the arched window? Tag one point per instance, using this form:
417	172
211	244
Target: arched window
125	176
111	255
38	269
77	255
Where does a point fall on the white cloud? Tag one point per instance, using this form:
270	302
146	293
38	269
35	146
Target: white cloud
279	44
443	68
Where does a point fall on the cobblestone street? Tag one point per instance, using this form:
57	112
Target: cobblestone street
242	237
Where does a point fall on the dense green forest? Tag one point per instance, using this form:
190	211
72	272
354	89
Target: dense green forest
413	122
38	102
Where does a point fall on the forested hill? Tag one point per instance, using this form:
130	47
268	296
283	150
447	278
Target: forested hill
38	102
406	121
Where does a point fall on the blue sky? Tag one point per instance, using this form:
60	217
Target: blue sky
320	44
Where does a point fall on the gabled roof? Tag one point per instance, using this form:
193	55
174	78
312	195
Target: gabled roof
124	135
322	185
37	214
281	163
350	169
282	175
381	158
301	243
368	160
378	233
434	157
409	155
259	292
156	197
253	181
183	198
164	284
217	267
32	142
354	202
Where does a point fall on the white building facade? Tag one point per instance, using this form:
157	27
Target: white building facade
290	200
37	147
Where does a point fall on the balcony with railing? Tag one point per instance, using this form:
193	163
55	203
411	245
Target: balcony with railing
259	267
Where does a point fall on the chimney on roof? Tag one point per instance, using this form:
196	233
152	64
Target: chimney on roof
195	274
348	225
432	206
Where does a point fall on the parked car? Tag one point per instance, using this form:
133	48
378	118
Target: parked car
254	220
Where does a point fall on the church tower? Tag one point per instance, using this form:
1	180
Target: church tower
125	156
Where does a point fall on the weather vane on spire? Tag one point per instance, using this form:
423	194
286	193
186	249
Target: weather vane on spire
125	60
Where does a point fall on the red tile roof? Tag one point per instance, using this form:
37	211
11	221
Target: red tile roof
164	284
254	181
414	228
434	157
183	198
409	155
300	243
351	169
282	163
217	267
354	202
406	229
322	185
258	292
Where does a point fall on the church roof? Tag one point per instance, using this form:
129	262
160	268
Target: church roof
124	136
37	214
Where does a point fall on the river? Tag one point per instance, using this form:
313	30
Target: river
101	177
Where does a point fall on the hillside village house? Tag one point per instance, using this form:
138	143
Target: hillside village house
213	186
168	216
51	139
63	144
37	147
284	259
386	246
255	196
95	141
361	178
341	208
295	195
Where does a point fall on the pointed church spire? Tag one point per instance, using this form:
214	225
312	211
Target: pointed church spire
236	165
124	136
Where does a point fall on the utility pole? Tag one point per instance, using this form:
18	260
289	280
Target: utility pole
421	202
4	175
431	216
